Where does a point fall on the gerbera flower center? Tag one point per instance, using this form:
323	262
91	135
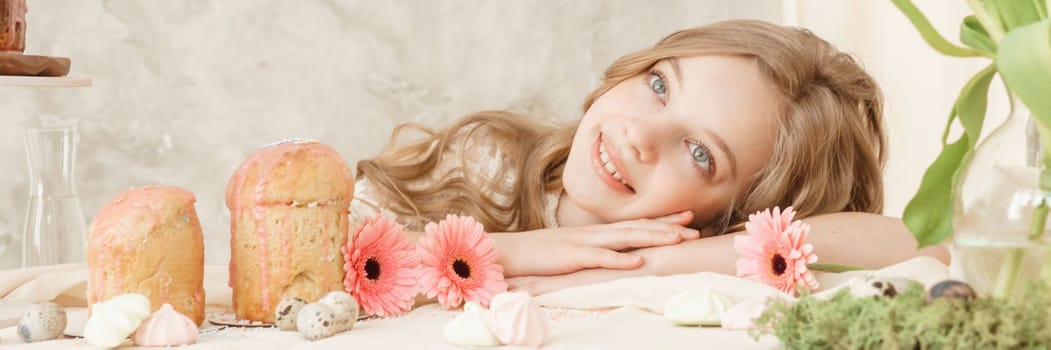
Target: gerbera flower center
462	269
779	264
372	269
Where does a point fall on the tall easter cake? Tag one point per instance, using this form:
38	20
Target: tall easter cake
288	219
148	241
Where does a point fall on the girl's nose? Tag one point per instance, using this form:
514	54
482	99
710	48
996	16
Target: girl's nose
643	138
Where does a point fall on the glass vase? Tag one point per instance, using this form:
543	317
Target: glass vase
999	221
55	229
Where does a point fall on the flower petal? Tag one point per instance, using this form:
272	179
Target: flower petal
462	238
383	240
771	233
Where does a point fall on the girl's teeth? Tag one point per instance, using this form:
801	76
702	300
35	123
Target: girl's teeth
609	165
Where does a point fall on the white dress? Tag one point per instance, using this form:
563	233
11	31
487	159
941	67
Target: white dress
481	157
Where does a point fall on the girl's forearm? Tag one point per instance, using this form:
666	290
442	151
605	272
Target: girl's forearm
857	239
863	240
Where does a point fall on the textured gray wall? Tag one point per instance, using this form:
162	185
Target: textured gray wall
185	90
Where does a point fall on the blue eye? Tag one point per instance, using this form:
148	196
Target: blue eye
658	85
702	156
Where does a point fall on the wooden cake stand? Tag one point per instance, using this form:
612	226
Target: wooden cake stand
15	63
17	69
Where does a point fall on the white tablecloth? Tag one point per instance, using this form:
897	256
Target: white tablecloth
622	314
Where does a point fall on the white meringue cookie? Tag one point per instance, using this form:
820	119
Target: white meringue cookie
469	328
703	308
113	320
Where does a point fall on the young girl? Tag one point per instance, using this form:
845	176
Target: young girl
681	141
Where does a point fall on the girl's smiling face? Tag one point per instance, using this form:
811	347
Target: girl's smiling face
687	135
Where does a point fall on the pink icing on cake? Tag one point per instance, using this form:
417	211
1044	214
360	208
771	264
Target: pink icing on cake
148	241
110	215
268	195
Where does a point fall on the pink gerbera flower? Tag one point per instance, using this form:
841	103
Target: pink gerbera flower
774	252
382	267
459	263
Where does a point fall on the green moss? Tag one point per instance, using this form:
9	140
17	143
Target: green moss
908	322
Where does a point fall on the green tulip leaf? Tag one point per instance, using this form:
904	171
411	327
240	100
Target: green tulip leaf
1024	62
931	35
974	35
1017	13
929	213
970	106
833	268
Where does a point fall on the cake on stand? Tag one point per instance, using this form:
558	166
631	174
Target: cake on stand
19	69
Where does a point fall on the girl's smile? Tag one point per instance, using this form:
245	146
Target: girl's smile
609	168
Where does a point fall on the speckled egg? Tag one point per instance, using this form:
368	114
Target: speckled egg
42	322
316	321
951	289
344	307
286	312
901	284
868	286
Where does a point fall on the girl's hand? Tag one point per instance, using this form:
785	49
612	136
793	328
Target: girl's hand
656	264
565	250
537	285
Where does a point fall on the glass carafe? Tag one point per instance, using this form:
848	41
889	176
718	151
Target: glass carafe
54	231
998	198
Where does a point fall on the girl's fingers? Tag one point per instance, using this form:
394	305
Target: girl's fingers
541	285
682	218
534	287
634	238
663	224
647	224
630	237
605	258
515	283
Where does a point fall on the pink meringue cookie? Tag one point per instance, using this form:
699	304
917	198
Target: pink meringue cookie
742	315
166	327
516	319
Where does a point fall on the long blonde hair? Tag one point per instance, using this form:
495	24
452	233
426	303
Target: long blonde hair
828	154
